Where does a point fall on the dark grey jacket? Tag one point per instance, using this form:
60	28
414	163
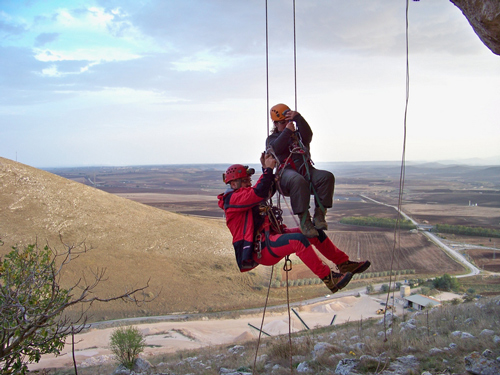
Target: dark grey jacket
283	142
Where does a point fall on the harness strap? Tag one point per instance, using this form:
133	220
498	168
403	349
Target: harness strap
274	222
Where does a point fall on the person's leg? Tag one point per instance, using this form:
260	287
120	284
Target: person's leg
281	245
293	241
328	249
331	252
324	185
295	186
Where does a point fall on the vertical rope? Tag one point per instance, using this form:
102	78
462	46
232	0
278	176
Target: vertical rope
397	234
267	117
262	321
294	56
287	268
267	71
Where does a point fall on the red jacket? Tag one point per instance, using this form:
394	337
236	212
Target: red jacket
241	209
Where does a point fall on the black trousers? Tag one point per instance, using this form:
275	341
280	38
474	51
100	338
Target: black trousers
297	187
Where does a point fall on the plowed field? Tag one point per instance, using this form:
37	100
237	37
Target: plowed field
488	260
414	252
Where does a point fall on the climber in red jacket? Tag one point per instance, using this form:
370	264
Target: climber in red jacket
257	241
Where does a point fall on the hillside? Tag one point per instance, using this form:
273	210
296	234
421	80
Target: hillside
189	261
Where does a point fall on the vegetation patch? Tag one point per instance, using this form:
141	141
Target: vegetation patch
466	231
371	221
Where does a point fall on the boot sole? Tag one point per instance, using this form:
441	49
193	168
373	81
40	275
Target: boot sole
361	268
344	281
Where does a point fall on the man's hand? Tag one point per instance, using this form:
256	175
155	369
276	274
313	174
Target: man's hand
263	159
267	160
290	115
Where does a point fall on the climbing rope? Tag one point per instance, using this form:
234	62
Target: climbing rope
397	233
267	72
294	56
262	321
275	218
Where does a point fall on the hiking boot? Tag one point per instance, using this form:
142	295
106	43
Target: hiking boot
319	219
354	267
306	225
335	281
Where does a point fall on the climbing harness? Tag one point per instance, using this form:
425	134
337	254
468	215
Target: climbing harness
297	148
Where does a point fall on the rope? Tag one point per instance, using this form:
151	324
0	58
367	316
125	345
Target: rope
267	71
275	219
287	267
294	56
262	322
397	234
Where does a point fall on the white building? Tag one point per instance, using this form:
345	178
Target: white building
420	302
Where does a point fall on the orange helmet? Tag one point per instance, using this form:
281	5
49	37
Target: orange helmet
236	171
278	112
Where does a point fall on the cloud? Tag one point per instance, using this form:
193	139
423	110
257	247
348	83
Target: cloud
191	74
44	38
9	28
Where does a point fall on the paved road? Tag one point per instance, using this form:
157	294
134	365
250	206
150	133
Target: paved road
473	270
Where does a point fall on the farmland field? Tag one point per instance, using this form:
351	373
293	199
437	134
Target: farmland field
433	194
488	260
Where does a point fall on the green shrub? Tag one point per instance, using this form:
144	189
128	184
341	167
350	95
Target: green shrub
446	283
377	222
467	231
127	343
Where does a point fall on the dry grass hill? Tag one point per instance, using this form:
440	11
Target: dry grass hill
188	260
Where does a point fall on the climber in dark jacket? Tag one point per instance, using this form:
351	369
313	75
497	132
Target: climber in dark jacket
290	143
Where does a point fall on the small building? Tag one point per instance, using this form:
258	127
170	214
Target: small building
420	302
404	291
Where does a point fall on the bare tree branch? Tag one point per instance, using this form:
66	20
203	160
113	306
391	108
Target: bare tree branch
32	303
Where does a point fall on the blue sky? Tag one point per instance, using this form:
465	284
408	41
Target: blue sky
133	82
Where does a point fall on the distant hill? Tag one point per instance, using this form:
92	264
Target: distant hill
486	174
190	261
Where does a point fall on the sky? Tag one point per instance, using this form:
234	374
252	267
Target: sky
141	82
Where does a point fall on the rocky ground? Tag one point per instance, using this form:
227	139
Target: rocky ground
454	339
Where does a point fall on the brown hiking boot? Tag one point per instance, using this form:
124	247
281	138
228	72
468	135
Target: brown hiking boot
306	225
354	267
319	219
335	281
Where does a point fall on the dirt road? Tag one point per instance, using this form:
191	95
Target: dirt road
171	336
91	347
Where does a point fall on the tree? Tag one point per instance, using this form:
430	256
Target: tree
446	283
32	303
370	289
126	344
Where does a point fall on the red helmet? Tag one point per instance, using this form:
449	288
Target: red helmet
236	171
278	112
